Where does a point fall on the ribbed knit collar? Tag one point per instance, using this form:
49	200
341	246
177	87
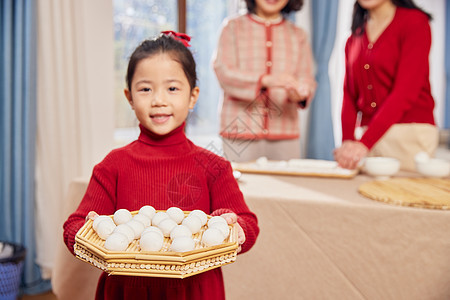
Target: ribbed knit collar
174	137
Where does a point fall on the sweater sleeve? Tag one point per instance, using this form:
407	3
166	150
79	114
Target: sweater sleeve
349	110
411	73
99	197
226	197
238	83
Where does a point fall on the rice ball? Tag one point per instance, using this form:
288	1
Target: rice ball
217	219
222	227
126	230
180	230
166	226
153	229
143	219
151	241
105	228
122	216
117	242
175	214
201	214
100	218
193	223
137	227
212	237
182	244
148	211
158	217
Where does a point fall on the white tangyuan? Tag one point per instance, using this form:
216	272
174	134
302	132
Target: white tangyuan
217	219
151	241
143	219
176	214
100	218
158	217
105	228
180	230
193	223
166	226
137	227
222	227
147	210
122	216
201	214
126	230
212	237
152	229
182	244
117	242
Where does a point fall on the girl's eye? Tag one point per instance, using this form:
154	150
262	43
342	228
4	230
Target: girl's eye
173	89
145	89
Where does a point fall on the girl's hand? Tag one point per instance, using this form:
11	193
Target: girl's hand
91	215
231	218
350	154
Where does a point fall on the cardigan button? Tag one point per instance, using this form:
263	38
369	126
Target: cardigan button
265	131
367	66
369	86
268	44
370	46
373	104
268	24
269	63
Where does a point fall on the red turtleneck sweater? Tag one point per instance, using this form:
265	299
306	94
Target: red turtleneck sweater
163	171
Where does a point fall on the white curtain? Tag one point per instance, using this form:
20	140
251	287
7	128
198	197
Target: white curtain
437	56
75	107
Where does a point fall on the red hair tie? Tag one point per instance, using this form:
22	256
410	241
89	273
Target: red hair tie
181	37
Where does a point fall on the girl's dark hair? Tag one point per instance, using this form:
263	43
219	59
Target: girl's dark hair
360	14
163	44
292	5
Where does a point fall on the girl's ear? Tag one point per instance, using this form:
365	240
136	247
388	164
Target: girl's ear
129	98
194	97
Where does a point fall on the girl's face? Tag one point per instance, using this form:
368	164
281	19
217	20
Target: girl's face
372	4
160	94
269	9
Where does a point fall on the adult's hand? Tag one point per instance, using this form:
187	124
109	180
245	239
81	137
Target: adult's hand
350	154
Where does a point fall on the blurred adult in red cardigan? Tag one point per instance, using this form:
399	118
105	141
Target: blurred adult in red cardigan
387	107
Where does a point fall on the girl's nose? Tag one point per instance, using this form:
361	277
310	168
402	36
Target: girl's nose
158	100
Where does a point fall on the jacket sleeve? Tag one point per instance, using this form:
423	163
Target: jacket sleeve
349	110
238	83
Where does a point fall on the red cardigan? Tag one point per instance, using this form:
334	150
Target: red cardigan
163	171
388	81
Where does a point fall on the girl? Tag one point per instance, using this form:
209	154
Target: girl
264	65
387	85
163	169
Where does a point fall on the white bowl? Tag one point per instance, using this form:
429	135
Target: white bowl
433	167
381	167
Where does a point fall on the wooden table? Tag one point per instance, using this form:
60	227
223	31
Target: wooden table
321	239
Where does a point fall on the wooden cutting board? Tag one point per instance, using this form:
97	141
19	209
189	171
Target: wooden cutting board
302	167
415	192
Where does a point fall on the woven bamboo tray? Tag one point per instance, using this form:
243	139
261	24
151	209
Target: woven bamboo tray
303	167
164	263
414	192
